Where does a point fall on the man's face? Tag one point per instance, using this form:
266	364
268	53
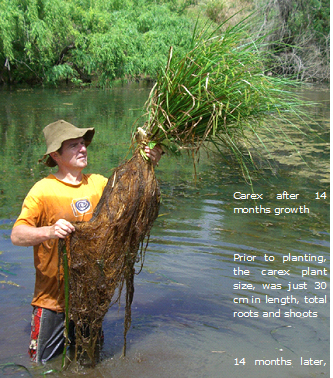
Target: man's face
73	154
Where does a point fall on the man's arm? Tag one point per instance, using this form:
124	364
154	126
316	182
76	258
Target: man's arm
26	236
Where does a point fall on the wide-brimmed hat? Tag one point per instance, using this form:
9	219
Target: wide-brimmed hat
57	132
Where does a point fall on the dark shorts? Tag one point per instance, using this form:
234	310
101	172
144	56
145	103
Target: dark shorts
47	338
47	334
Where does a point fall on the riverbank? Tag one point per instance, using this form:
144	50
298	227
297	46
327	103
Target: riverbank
94	44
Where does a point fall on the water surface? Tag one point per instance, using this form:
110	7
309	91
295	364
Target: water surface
183	322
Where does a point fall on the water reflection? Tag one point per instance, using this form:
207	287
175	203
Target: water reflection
183	310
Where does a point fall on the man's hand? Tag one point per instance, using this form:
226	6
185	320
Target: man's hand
26	236
154	154
61	229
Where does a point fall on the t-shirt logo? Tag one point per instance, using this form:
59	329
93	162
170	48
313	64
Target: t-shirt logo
81	206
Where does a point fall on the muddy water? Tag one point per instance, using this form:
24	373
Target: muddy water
196	299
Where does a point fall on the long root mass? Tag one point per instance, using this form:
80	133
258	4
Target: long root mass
103	251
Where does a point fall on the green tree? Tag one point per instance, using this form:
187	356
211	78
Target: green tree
83	41
43	41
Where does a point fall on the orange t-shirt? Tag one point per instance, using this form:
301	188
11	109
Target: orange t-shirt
48	200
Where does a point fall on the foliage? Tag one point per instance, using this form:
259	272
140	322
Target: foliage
297	32
218	92
83	41
299	35
43	41
220	11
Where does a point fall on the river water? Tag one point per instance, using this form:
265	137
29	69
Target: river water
202	306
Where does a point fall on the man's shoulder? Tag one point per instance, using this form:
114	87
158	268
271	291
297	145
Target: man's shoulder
95	178
43	183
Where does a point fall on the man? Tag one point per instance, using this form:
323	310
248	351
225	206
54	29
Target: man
48	211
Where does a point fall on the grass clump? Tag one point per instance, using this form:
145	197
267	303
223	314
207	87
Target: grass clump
218	92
